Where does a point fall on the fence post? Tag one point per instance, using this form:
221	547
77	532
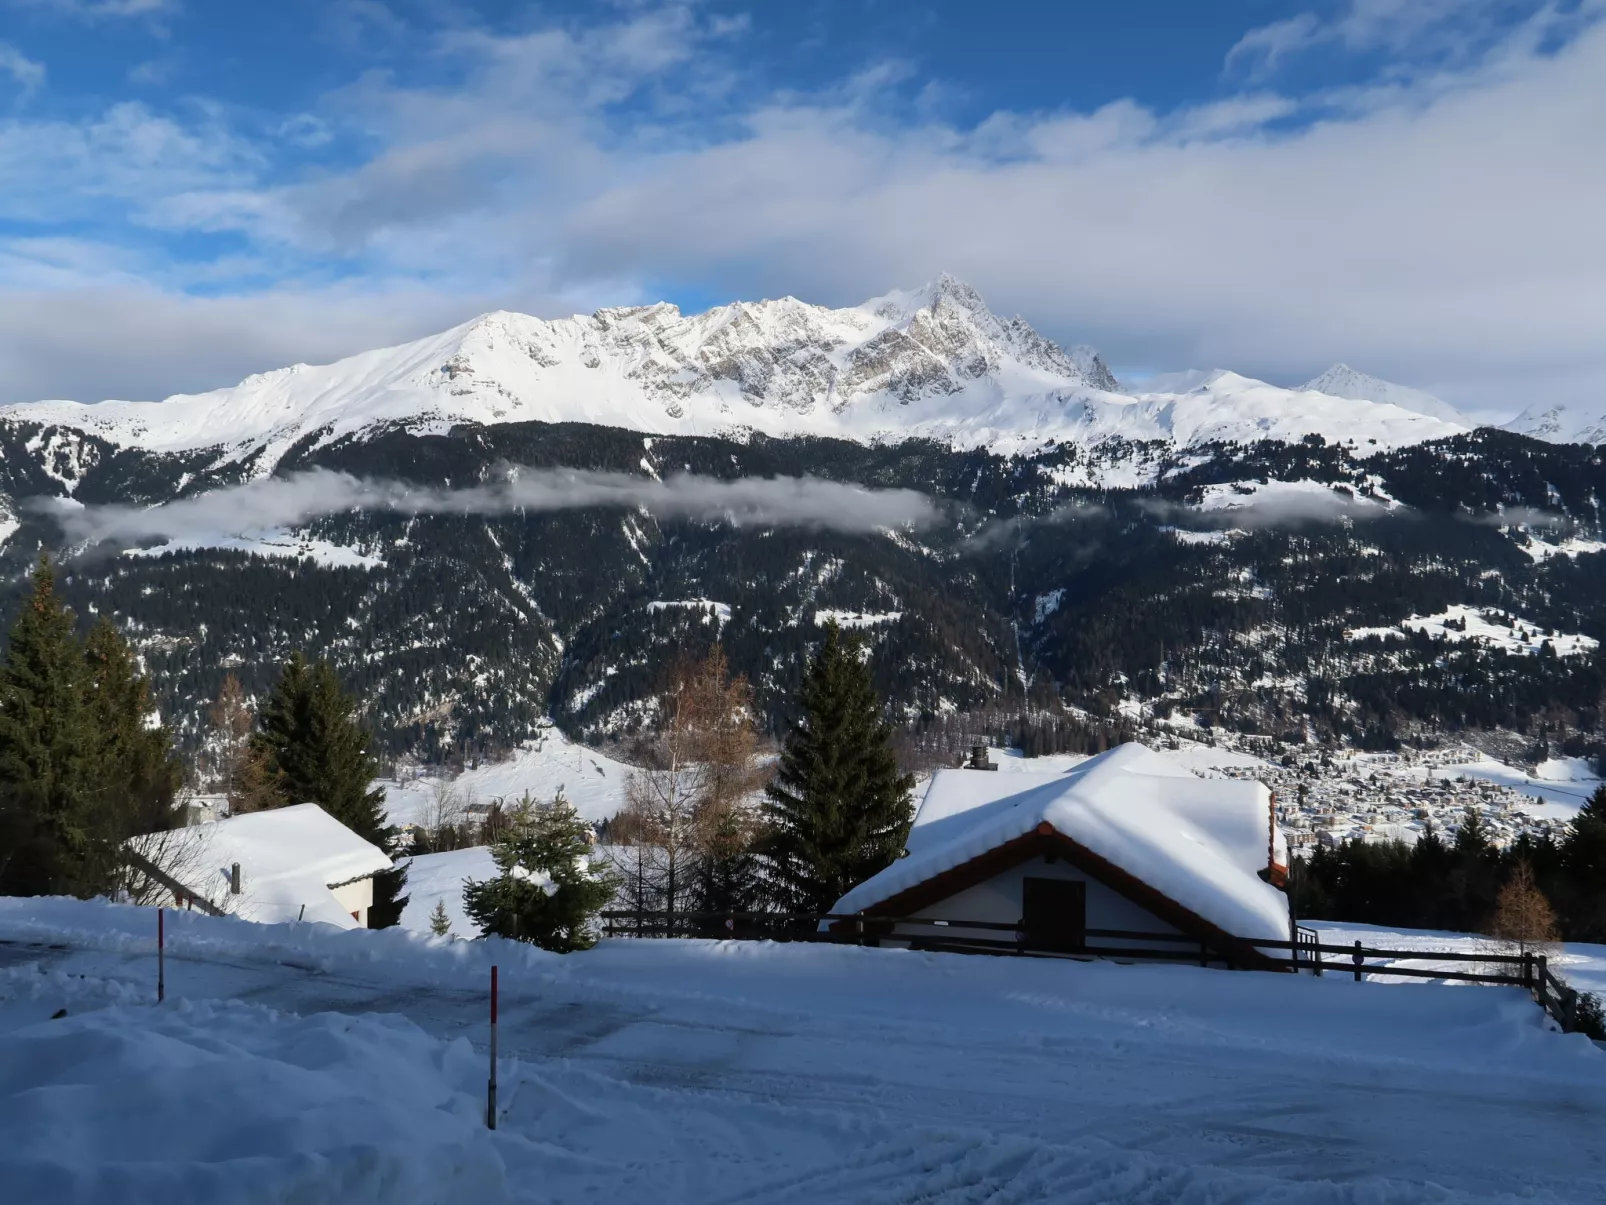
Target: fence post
161	955
1360	959
1528	970
490	1087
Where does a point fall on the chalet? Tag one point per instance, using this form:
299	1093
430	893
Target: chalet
1126	842
285	864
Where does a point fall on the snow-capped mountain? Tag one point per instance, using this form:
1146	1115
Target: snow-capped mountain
933	362
1343	381
1562	423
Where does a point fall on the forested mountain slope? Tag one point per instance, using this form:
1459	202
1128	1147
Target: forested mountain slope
1307	589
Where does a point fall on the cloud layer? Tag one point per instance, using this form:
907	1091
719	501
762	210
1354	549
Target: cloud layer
295	500
1437	225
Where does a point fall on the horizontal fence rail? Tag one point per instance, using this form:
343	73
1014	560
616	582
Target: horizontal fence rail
1306	950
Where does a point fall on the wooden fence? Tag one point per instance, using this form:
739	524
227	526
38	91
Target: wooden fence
1306	952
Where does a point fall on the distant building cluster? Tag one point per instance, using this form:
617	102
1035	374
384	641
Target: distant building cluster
1394	797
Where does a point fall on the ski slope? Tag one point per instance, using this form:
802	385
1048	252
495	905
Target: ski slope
349	1067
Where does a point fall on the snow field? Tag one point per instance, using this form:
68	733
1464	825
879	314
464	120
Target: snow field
226	1102
592	781
689	1071
1476	625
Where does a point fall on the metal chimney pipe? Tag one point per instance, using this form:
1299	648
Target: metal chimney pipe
234	879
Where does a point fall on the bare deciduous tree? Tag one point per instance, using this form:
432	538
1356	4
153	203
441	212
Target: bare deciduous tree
231	720
174	867
1522	914
687	803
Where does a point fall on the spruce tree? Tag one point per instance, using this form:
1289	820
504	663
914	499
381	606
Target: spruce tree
550	888
81	768
46	751
440	924
312	749
136	772
1583	864
838	810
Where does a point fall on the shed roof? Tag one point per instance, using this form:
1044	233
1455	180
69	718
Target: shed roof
1199	842
289	857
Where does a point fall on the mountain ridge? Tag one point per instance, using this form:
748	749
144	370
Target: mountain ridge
1343	381
931	363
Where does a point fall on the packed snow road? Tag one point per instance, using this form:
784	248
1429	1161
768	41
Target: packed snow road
301	1063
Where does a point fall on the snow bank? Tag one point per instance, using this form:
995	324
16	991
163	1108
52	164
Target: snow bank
687	1072
228	1104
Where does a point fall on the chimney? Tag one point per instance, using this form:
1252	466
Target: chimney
978	759
234	879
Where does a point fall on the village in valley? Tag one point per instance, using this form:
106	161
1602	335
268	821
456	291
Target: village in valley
1326	800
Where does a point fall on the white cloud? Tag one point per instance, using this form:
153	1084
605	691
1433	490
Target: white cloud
292	501
95	10
1453	28
1437	226
24	72
57	169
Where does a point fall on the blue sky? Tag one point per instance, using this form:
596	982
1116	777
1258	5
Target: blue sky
214	188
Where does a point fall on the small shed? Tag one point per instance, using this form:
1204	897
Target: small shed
1128	842
284	864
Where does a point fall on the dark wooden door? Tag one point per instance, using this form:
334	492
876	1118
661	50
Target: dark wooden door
1054	913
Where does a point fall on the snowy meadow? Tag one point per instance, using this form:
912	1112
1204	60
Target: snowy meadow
301	1063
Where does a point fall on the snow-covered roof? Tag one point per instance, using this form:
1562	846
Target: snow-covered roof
289	857
1199	842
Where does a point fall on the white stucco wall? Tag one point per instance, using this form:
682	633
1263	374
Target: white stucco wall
998	900
356	898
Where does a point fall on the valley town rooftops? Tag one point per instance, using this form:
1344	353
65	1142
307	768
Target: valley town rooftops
1201	843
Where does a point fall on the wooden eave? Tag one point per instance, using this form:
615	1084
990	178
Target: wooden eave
1046	840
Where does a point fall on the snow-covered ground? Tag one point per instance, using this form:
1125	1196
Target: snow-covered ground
1574	546
1287	499
349	1067
439	878
1559	787
590	780
278	542
1487	626
1583	965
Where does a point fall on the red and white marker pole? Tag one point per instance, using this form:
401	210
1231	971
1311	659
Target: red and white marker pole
161	955
490	1087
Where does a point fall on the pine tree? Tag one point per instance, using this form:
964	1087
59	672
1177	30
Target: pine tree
311	749
1583	865
81	768
550	888
838	810
46	754
439	923
137	774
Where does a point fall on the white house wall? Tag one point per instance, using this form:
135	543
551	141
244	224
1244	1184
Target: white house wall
998	900
356	898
